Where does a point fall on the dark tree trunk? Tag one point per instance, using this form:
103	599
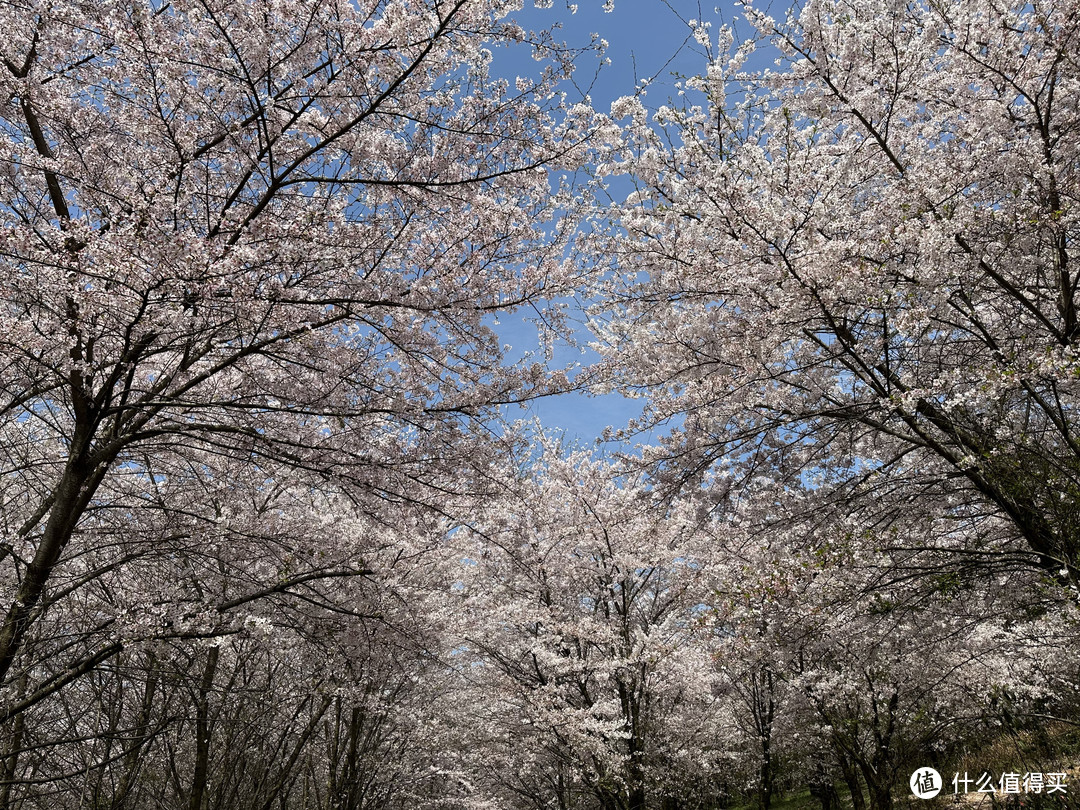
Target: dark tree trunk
202	733
822	789
764	709
10	765
851	779
132	760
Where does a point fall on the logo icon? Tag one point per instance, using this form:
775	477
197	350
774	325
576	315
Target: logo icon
925	783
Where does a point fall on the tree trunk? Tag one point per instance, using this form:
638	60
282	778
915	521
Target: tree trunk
132	761
10	764
880	794
202	733
821	787
764	709
851	779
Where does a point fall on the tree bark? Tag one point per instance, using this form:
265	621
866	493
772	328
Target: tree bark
851	779
10	764
202	733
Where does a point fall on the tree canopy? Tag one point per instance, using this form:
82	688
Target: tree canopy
271	539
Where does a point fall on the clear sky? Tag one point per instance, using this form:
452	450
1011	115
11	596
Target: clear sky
647	40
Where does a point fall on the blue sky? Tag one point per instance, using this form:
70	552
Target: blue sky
647	39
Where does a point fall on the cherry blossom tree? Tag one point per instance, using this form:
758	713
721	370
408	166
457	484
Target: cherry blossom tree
577	606
250	256
843	659
849	282
858	269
